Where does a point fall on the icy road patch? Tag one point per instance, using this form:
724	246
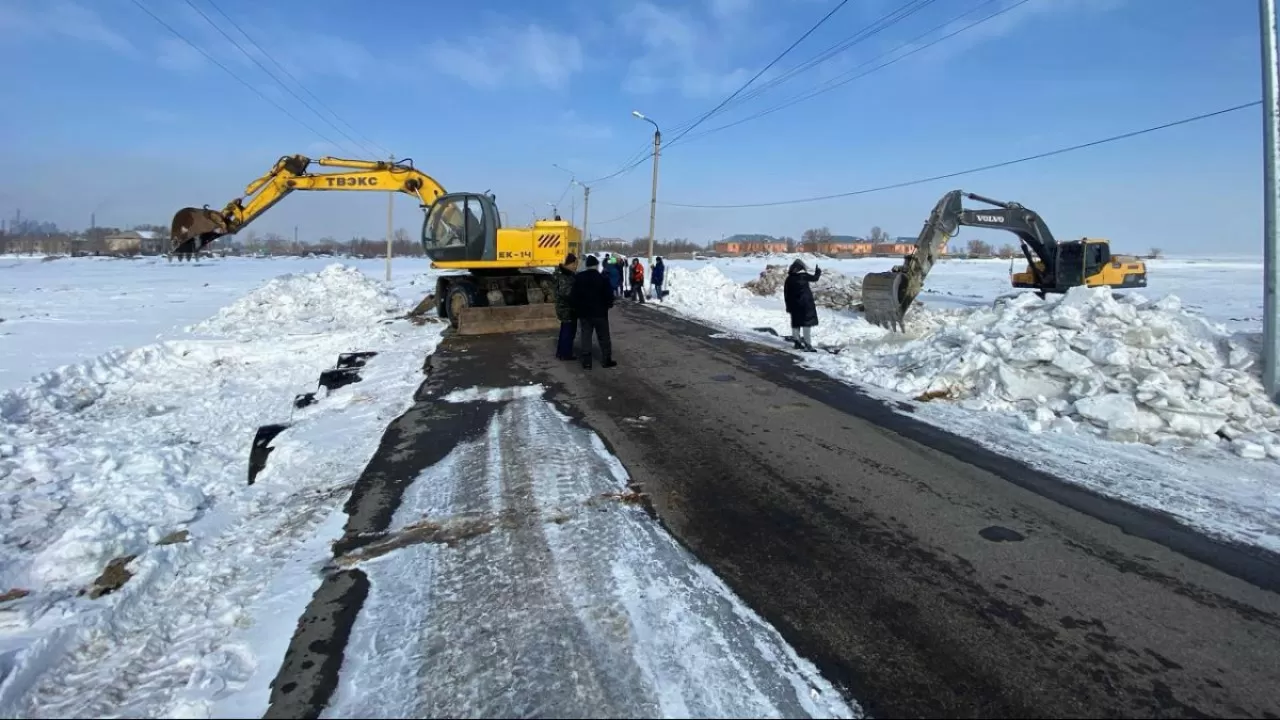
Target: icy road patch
141	456
555	596
1135	398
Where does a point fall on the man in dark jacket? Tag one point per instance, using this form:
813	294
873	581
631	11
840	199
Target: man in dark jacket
591	298
565	274
656	276
799	300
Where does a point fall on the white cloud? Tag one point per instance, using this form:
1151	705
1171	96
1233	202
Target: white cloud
506	56
683	53
35	20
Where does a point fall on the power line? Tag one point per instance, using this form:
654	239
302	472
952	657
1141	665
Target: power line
368	143
878	26
735	93
228	71
623	216
765	69
836	82
354	143
921	181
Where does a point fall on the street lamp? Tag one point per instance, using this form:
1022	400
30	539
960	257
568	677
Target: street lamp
653	194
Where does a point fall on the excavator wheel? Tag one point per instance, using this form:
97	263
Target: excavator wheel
882	299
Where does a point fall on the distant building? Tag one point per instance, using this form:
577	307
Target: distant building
135	242
749	247
837	245
894	248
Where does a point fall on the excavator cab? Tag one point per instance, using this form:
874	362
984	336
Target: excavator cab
461	227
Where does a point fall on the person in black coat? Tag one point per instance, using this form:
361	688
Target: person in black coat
799	300
591	298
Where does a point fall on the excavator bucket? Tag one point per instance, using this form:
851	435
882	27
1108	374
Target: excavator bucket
884	300
508	319
193	228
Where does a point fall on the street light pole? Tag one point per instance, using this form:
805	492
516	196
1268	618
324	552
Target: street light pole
390	230
586	207
1271	228
653	193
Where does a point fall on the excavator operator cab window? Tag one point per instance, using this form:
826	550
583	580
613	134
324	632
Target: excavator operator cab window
1096	255
457	228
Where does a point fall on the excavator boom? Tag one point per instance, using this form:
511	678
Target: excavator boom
1052	267
194	228
500	283
887	295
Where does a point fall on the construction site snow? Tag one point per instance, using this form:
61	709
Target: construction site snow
1131	396
551	593
141	574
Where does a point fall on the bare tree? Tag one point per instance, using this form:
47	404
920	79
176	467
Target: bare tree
1008	251
877	235
790	241
815	236
1155	252
979	248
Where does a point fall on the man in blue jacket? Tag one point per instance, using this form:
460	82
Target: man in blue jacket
656	276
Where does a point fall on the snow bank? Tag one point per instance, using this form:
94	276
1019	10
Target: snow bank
834	289
144	453
336	298
1120	367
1129	369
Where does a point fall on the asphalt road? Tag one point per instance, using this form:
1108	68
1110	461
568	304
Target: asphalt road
927	576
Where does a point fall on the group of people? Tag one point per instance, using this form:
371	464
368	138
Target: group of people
583	301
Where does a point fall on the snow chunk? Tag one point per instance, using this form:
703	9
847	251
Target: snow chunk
833	289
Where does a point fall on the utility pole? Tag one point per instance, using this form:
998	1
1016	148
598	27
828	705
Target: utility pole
653	194
586	206
390	206
1271	230
295	237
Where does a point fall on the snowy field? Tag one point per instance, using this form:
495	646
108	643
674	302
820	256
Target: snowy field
131	390
1154	397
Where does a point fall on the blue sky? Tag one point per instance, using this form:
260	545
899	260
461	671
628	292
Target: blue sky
108	112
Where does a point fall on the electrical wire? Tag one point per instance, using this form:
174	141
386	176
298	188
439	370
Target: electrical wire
383	152
970	171
228	71
837	82
765	69
623	216
879	25
712	111
355	144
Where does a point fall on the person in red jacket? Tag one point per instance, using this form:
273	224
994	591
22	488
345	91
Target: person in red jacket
637	280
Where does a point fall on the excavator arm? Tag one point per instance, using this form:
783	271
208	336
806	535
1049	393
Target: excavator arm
886	296
194	228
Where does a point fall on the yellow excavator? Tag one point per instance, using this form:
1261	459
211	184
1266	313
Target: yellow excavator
503	283
1052	266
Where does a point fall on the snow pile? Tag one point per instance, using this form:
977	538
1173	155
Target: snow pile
705	290
336	298
834	289
1127	369
144	453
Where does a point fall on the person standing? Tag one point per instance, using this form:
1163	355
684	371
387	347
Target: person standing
591	298
565	273
637	280
798	297
656	276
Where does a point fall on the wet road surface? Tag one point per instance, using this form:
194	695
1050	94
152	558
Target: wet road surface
927	576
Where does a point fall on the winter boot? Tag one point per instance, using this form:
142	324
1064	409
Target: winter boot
609	362
809	348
